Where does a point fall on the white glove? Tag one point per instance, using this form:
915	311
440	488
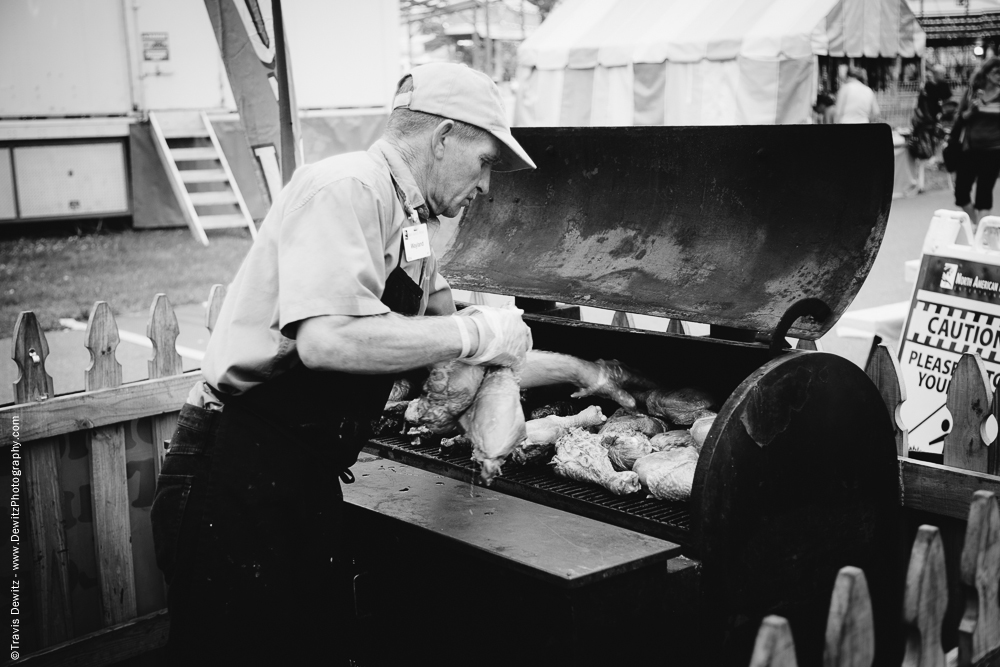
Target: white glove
504	338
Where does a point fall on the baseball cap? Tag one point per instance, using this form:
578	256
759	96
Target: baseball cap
459	92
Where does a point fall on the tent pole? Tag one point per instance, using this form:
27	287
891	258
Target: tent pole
489	42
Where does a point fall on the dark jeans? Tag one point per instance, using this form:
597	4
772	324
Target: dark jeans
981	168
247	523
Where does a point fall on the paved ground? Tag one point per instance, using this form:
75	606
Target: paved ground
68	358
908	222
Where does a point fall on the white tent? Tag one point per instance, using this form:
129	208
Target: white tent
697	62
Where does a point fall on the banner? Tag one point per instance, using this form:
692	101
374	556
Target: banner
246	31
955	310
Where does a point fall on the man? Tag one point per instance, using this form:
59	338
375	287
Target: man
333	297
855	100
339	291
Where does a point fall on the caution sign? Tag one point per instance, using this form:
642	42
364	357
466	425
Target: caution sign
955	310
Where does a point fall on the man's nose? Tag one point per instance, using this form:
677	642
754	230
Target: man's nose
484	182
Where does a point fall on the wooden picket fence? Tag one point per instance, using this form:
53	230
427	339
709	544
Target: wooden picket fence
850	632
100	415
970	463
105	413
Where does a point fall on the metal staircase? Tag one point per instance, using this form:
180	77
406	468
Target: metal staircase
199	174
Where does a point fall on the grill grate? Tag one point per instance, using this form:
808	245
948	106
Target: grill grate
666	520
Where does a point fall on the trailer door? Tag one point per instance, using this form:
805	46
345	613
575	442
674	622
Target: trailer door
63	58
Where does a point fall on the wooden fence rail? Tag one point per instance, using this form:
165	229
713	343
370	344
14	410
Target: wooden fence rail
81	459
85	521
850	633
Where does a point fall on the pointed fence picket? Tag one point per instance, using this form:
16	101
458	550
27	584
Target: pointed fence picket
850	633
100	414
883	369
46	549
109	480
969	401
162	330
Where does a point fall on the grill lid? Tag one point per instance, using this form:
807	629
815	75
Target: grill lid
721	225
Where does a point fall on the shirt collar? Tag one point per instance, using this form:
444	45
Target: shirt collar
404	178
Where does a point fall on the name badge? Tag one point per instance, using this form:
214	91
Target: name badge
415	242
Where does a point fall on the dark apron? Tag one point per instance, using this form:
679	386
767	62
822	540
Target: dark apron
331	408
249	514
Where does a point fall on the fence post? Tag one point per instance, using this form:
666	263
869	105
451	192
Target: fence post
623	319
109	480
48	555
979	631
774	646
215	298
850	633
883	369
969	400
162	330
925	600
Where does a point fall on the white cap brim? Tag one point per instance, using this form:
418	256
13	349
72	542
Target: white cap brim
512	156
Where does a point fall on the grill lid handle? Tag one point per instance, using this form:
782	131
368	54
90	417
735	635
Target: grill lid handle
810	307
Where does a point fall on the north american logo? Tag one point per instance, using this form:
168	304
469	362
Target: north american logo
948	276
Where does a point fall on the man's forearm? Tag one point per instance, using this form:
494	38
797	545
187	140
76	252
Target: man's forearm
380	343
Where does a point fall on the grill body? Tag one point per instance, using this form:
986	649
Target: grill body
727	226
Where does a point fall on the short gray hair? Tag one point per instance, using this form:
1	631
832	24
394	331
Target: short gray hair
404	122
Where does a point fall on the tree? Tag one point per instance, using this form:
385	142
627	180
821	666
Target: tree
544	6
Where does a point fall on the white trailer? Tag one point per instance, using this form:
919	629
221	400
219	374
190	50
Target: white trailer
81	76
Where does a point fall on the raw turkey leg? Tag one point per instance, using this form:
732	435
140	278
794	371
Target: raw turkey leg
580	456
495	421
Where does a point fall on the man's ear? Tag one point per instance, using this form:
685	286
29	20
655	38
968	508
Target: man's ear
441	132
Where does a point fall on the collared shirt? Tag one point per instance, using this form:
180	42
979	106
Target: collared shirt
326	247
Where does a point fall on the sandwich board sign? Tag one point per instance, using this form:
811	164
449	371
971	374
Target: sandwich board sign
954	310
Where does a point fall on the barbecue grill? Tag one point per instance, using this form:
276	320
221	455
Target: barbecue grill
760	232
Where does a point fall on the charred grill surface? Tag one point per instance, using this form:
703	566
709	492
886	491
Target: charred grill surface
666	520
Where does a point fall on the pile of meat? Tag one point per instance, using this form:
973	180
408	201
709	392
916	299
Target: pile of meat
653	447
655	451
483	403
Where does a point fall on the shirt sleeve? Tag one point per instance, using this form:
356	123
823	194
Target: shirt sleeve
440	300
331	257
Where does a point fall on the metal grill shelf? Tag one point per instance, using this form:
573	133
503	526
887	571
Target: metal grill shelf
658	518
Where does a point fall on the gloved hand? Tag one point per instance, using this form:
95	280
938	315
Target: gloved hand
504	338
614	380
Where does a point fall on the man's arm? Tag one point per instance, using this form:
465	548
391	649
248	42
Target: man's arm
380	343
838	108
440	300
389	343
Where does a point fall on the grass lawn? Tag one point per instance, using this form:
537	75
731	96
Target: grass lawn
62	276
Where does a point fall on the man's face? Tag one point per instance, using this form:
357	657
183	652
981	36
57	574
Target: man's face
461	173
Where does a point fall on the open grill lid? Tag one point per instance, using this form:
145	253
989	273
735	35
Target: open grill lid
721	225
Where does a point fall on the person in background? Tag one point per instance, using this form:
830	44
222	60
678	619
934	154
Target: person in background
926	130
825	109
980	164
855	100
935	92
